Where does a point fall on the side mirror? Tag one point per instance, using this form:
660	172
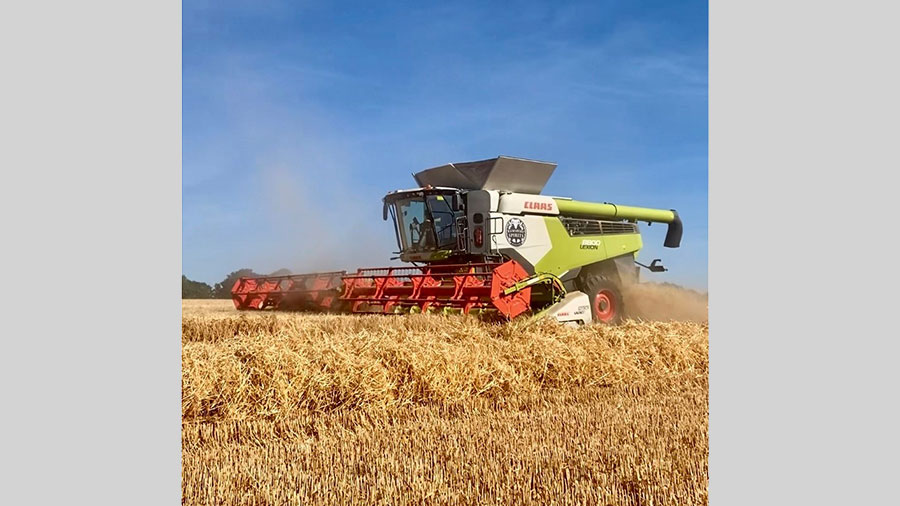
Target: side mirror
384	212
655	267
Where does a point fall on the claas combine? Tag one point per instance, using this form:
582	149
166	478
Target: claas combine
483	240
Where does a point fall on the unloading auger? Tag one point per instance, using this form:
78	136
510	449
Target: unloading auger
483	240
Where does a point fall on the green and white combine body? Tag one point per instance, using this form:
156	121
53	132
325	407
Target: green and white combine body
493	210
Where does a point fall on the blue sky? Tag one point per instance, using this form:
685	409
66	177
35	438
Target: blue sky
299	116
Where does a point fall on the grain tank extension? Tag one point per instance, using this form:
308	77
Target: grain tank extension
483	240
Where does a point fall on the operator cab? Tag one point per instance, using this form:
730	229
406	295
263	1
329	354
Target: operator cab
427	222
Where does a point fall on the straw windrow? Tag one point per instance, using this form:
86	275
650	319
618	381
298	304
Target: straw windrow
325	409
270	366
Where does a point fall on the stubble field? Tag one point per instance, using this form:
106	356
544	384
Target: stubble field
319	409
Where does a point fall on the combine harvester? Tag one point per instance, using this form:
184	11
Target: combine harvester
484	241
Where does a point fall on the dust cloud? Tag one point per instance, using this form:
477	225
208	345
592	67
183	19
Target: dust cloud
664	302
318	219
309	199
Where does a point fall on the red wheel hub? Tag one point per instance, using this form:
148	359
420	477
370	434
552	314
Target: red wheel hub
605	306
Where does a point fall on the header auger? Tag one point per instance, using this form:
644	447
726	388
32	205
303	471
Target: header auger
489	244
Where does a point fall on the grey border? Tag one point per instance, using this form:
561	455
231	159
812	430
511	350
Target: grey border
803	115
91	129
803	149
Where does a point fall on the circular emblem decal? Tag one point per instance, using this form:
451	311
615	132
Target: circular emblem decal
515	232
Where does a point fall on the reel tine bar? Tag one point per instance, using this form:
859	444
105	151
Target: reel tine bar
420	289
317	291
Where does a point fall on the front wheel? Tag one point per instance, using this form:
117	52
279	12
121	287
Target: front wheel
607	304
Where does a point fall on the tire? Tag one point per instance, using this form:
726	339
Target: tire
607	303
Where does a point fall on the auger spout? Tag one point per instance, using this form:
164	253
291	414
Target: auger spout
616	212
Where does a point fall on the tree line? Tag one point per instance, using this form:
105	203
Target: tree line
191	289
